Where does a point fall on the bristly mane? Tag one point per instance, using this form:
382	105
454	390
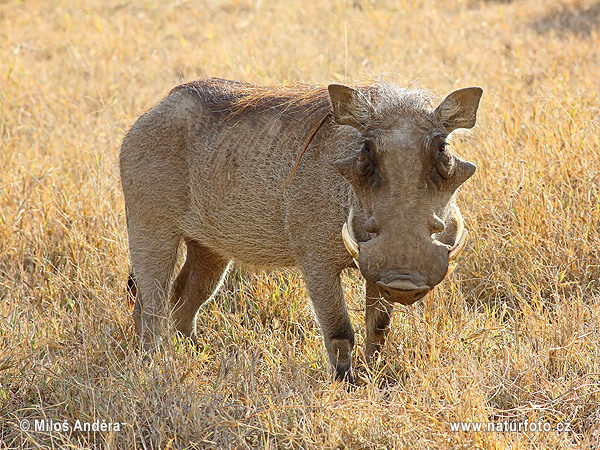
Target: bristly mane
234	97
229	98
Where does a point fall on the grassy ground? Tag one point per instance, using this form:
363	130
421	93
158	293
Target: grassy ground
512	336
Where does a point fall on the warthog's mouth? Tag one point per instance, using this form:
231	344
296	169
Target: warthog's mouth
453	253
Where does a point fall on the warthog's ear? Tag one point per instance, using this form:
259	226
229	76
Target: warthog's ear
459	109
350	107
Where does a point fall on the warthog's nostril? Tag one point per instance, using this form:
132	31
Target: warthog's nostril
386	292
402	290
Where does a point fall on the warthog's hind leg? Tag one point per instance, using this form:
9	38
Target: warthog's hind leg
198	280
153	254
378	314
327	295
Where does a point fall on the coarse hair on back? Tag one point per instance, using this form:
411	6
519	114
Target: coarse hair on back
232	98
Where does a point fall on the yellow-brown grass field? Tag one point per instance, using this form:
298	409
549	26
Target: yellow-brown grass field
512	336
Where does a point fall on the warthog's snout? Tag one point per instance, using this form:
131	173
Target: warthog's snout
406	286
403	288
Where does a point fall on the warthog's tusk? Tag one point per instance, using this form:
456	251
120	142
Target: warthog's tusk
348	238
458	246
460	243
455	251
350	243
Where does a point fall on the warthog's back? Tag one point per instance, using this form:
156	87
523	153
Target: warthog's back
215	155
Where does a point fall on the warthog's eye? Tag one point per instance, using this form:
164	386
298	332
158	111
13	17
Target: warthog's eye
445	161
367	166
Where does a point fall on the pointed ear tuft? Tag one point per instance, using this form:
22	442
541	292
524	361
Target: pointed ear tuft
459	109
350	107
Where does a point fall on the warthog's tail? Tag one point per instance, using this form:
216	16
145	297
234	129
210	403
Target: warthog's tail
131	289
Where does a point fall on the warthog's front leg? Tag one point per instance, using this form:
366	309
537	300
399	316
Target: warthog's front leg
325	290
378	313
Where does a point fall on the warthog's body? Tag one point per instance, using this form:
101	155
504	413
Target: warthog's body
210	165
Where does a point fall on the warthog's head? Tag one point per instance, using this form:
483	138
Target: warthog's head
405	177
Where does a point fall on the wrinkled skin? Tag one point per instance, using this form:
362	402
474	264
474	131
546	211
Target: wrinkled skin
191	174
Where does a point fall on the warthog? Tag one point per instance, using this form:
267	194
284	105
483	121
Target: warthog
302	176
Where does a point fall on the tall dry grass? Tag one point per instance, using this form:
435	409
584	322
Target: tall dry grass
513	336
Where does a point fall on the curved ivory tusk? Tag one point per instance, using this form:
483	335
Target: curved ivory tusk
456	250
348	238
460	243
458	246
350	243
462	234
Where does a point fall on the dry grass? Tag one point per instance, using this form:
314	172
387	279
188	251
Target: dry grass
513	336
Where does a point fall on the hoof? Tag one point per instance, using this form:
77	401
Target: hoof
344	375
